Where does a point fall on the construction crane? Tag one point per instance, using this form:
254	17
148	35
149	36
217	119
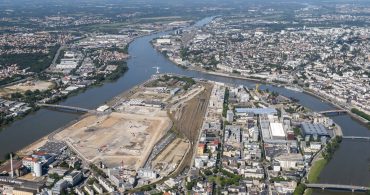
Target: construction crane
257	87
157	67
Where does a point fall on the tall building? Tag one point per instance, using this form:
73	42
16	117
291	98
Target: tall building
230	116
37	169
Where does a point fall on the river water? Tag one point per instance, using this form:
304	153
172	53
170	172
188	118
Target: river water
350	164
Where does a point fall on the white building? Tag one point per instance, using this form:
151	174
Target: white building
277	131
106	184
147	173
230	116
73	178
98	188
37	169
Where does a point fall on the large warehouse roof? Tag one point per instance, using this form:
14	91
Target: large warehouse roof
314	129
277	130
256	110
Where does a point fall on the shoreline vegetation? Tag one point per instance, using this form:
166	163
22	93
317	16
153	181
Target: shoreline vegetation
319	164
361	114
99	80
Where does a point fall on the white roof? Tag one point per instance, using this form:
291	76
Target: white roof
277	130
103	108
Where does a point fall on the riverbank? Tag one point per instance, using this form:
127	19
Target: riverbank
114	75
50	137
40	142
305	90
349	112
315	170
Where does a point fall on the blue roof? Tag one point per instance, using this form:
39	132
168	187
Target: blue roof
314	128
256	110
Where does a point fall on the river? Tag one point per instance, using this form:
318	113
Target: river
350	164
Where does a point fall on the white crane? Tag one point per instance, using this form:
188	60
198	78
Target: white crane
157	67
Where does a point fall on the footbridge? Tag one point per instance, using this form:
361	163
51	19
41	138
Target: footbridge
337	187
356	137
333	112
65	108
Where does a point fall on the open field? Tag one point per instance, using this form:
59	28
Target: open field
170	157
315	170
116	137
23	87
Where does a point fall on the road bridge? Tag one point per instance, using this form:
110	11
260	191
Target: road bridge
337	187
356	137
66	108
333	112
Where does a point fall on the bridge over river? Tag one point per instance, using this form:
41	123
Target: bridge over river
357	137
66	108
337	187
333	112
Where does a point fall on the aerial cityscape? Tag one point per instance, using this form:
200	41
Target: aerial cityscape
185	97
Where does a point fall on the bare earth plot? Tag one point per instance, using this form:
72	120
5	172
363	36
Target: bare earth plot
150	95
23	87
116	137
171	156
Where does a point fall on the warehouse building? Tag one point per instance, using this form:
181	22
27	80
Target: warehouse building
314	129
277	131
255	111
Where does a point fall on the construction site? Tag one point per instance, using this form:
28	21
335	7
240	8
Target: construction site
152	127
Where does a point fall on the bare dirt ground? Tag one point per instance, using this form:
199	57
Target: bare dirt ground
23	87
116	137
32	147
150	95
148	111
170	157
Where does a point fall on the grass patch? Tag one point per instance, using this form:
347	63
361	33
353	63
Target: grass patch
317	167
308	191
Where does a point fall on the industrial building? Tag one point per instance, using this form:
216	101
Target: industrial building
147	173
290	161
15	186
255	111
314	129
37	169
52	147
277	131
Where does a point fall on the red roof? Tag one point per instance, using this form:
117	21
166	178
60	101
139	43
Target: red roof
216	142
201	145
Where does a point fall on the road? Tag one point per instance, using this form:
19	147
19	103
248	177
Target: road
53	63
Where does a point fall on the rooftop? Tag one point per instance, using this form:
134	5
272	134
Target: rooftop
314	129
256	110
